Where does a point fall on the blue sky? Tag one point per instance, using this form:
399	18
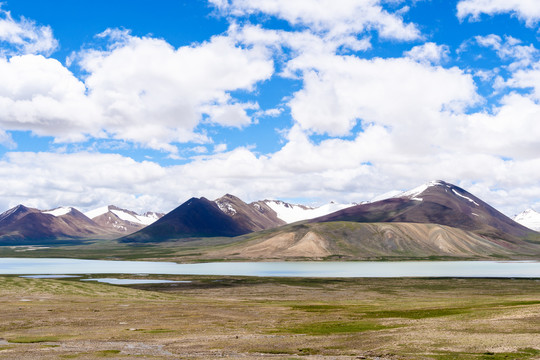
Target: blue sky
143	104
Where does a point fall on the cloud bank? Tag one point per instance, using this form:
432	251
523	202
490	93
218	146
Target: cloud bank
357	125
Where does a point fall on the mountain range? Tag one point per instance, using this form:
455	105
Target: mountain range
226	216
22	225
435	219
66	224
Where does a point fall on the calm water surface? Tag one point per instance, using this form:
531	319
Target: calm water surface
50	266
115	281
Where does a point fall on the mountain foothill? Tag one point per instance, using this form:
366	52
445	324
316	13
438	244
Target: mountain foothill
436	219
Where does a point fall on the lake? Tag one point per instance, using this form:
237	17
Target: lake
485	269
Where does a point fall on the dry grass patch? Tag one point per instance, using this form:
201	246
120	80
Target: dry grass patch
243	317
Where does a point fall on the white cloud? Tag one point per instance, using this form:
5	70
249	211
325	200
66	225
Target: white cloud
429	53
511	49
231	115
527	79
527	10
512	131
140	90
24	36
39	94
398	93
415	125
220	148
199	149
350	17
45	180
333	169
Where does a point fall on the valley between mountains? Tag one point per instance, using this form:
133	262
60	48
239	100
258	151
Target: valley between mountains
437	220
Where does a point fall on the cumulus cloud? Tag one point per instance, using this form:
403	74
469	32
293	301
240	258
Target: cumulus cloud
333	169
350	17
528	10
527	79
511	131
429	53
138	89
24	36
41	95
149	90
511	49
45	180
386	123
290	44
231	115
399	93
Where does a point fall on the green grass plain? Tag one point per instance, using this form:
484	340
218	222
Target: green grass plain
277	318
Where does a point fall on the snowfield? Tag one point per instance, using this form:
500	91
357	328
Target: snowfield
529	218
291	212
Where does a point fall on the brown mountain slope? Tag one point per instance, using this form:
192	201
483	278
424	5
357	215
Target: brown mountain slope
435	219
255	216
440	203
111	220
22	225
369	241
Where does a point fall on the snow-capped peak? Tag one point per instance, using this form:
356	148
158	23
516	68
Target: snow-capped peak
529	218
293	212
123	214
413	193
63	210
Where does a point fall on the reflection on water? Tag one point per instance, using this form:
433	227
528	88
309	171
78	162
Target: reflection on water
506	269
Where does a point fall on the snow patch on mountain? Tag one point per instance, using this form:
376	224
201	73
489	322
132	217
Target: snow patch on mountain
413	194
465	197
125	215
293	212
97	212
226	207
529	218
58	211
134	218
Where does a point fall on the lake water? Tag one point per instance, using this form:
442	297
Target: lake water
115	281
504	269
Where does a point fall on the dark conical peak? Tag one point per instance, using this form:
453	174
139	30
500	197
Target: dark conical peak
197	217
195	201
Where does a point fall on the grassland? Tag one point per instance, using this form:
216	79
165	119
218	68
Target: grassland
277	318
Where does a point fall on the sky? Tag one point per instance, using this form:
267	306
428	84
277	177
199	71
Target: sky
146	103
